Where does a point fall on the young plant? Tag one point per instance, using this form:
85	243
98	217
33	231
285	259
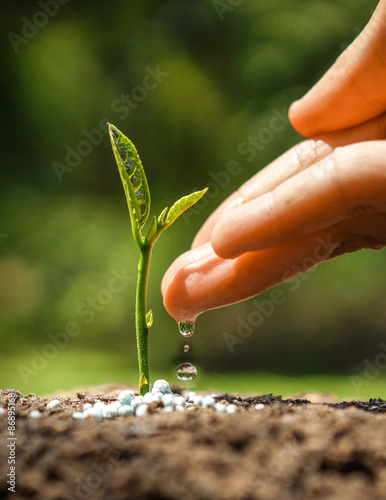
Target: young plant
138	200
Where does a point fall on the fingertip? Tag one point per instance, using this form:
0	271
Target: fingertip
172	271
178	300
295	115
172	306
170	303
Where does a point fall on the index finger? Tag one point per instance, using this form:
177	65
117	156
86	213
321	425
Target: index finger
287	165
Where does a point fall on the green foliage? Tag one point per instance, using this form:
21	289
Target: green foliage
179	208
132	176
137	191
138	200
65	236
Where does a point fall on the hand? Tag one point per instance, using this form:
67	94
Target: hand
324	197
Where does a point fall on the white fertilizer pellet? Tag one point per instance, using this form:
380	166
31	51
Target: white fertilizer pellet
126	410
197	400
208	402
35	414
168	400
156	395
220	407
150	398
78	414
128	404
179	400
161	385
136	402
126	397
96	411
55	403
111	410
191	396
141	410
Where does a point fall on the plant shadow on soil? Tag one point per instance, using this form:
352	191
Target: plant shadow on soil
290	449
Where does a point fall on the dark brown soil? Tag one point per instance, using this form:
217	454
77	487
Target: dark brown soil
291	449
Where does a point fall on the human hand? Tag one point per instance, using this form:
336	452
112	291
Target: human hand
324	197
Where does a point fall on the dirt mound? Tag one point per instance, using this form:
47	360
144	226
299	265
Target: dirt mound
289	449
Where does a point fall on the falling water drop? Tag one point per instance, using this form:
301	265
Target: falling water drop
186	371
186	347
186	328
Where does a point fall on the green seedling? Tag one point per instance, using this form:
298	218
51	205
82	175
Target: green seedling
138	200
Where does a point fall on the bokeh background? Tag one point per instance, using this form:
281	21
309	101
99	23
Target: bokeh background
188	82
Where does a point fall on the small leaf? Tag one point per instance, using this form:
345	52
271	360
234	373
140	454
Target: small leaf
162	216
149	319
143	384
181	205
132	175
151	234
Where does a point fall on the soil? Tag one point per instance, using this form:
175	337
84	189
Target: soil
290	449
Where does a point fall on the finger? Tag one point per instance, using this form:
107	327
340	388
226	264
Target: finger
350	181
292	162
286	166
199	254
353	90
372	130
200	280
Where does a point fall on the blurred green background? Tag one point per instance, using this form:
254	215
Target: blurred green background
188	82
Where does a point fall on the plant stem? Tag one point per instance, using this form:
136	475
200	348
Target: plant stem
140	319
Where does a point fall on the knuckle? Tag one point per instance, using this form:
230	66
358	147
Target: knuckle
311	151
359	242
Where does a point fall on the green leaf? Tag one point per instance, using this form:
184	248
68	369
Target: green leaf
132	175
151	234
181	205
143	384
149	319
162	216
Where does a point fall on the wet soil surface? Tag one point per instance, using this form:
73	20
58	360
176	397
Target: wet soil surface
290	449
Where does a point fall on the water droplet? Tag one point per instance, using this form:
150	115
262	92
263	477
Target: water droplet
186	348
186	328
186	371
